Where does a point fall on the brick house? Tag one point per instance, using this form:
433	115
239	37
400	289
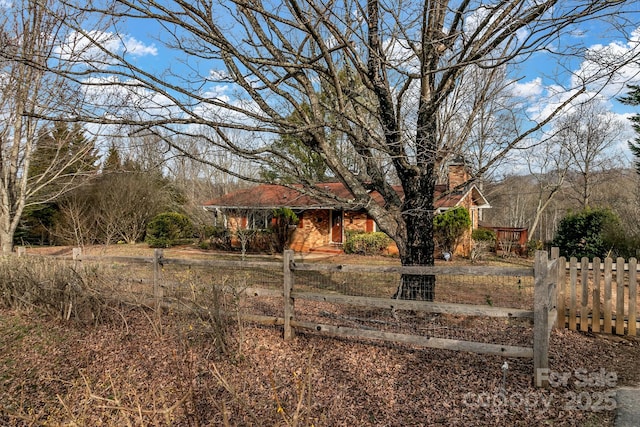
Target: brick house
322	225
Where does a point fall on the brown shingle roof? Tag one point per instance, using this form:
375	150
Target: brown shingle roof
274	196
271	196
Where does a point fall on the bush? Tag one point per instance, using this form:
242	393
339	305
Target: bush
449	227
589	233
483	235
216	237
484	241
168	229
628	246
49	286
358	242
533	246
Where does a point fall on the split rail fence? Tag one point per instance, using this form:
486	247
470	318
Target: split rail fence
355	300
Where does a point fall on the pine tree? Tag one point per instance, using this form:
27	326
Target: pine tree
113	162
633	98
62	151
61	154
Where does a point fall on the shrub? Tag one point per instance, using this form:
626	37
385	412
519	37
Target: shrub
49	286
628	246
358	242
449	227
588	233
286	220
483	235
216	237
264	240
168	229
484	241
533	246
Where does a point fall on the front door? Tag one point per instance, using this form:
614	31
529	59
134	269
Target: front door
336	226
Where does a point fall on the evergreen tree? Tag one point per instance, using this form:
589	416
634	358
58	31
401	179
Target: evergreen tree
62	151
588	233
306	162
296	156
449	227
113	162
633	98
61	154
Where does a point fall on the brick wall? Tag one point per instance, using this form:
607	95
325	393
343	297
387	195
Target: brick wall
457	175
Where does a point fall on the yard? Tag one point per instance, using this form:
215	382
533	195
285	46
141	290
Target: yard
133	368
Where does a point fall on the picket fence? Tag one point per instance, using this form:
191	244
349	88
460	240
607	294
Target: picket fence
599	295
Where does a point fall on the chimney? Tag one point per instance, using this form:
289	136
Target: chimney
456	174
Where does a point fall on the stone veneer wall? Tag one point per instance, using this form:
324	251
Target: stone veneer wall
312	231
356	221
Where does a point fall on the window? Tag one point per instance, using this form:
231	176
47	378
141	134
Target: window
258	220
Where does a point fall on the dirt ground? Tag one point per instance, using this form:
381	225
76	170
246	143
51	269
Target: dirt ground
133	368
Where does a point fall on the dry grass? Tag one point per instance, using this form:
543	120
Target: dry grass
135	368
54	373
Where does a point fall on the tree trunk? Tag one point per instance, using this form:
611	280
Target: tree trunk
418	213
6	240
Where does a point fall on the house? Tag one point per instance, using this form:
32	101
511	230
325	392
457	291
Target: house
322	225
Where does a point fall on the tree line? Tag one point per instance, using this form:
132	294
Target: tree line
121	191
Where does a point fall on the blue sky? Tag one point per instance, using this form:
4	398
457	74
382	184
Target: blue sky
535	85
142	44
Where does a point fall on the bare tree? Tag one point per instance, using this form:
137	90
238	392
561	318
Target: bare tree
548	164
512	199
31	88
129	200
76	225
479	119
371	79
588	135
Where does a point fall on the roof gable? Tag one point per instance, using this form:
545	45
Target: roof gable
451	200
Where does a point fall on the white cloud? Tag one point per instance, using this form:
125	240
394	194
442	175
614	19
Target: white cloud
399	54
128	99
531	89
83	48
601	70
218	92
219	95
599	75
219	75
137	48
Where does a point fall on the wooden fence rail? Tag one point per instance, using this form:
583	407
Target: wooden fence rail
599	295
543	312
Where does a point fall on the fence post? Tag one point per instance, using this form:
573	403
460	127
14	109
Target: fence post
541	320
21	250
76	255
584	296
289	332
157	288
561	278
633	297
619	296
